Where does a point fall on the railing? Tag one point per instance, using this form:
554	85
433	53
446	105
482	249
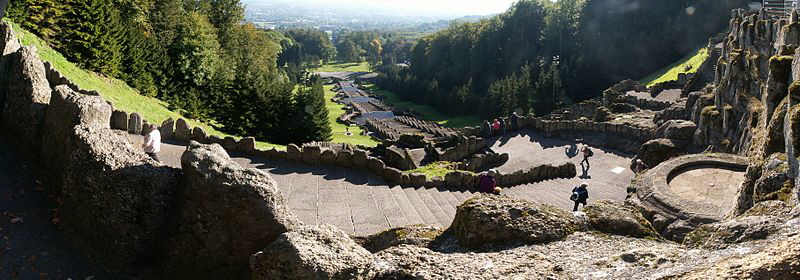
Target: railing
779	9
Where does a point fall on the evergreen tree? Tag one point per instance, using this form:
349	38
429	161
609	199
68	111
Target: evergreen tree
92	35
312	115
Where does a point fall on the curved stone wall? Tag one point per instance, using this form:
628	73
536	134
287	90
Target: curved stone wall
670	213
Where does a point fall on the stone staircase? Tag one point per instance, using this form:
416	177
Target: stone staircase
706	75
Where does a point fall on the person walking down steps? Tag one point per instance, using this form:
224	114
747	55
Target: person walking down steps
152	143
587	153
579	195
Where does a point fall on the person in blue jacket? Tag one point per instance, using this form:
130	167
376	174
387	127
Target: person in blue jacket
580	195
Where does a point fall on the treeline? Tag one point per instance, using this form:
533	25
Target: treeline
540	54
195	54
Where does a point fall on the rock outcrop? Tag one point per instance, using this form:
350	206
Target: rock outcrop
719	235
780	261
657	151
116	201
68	109
615	218
411	262
677	130
496	219
226	213
313	252
28	94
417	235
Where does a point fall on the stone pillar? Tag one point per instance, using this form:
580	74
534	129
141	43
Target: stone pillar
135	124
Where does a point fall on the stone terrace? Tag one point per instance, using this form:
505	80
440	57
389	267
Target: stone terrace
362	204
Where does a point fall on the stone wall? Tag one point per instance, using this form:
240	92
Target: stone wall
115	201
641	134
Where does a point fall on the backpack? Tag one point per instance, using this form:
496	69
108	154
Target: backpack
589	152
574	196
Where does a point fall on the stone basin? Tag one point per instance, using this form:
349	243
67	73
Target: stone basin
716	186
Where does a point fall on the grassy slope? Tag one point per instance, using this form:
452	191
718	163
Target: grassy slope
670	73
343	67
426	112
334	111
118	92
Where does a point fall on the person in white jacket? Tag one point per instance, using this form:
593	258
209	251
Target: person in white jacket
152	142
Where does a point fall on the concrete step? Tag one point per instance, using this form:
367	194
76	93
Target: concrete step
409	209
433	206
334	205
384	198
304	201
424	213
445	203
367	216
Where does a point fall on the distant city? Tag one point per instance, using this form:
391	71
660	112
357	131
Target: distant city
331	19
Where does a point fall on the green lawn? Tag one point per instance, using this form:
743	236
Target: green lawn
426	112
334	111
118	92
670	73
343	67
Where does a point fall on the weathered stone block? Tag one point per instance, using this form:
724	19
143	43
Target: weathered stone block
135	123
227	213
167	129
119	120
27	97
116	201
199	135
293	152
183	132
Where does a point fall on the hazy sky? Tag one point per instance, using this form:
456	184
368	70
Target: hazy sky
448	7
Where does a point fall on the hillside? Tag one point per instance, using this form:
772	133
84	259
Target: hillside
118	92
541	55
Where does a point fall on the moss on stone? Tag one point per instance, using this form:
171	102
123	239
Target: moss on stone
710	111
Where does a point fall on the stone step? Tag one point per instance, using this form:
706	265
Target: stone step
367	216
405	204
444	200
434	207
424	213
385	199
303	201
451	198
334	205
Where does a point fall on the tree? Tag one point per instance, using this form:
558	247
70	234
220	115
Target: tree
311	115
196	50
374	52
92	35
348	51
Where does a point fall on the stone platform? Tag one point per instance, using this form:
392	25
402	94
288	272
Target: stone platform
363	204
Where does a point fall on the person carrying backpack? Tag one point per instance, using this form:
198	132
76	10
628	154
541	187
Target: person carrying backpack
579	195
587	153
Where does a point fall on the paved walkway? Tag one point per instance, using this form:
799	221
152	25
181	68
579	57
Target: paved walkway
362	204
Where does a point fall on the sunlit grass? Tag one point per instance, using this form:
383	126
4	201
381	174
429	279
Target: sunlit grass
343	67
426	112
339	129
670	73
118	92
435	170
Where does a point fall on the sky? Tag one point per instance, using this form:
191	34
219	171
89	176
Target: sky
441	7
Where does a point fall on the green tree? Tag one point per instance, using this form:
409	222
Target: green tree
196	50
93	35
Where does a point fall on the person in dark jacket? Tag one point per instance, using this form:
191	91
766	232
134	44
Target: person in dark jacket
515	121
502	126
580	195
487	182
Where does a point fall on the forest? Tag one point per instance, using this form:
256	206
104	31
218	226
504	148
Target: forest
541	54
197	55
